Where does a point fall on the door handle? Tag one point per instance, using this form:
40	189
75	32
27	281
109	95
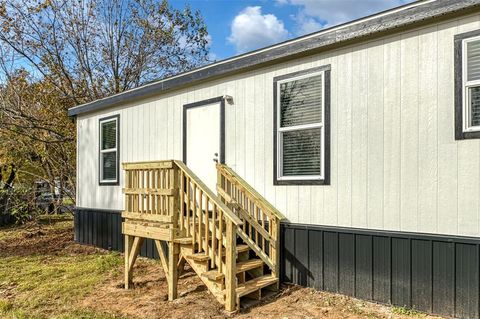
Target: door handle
215	159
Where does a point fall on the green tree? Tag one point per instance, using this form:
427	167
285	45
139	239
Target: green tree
55	54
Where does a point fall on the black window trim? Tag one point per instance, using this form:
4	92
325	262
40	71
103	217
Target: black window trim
100	181
326	176
458	71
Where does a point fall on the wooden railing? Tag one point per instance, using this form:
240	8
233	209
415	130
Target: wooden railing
150	192
261	221
170	193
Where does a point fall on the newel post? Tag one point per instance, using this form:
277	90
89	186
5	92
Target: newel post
173	247
230	264
275	248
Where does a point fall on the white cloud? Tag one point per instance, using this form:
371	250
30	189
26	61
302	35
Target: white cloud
252	30
306	24
316	14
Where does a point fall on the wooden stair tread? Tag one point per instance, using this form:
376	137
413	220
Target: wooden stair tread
240	249
249	264
199	257
254	285
241	267
213	275
183	241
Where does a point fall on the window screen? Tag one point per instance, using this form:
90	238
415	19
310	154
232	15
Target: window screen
108	150
300	127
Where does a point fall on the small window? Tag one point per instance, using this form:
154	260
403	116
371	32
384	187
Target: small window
301	102
109	150
467	85
471	84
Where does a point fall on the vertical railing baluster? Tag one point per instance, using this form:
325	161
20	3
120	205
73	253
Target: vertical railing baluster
182	201
207	227
200	220
147	187
193	199
159	186
188	205
220	219
174	200
214	234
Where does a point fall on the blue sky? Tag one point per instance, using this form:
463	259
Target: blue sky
238	26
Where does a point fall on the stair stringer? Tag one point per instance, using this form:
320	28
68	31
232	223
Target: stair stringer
213	287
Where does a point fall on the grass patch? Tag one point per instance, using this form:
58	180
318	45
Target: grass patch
43	222
10	232
50	286
52	218
5	306
406	311
89	314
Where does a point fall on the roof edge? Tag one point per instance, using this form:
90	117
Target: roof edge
403	16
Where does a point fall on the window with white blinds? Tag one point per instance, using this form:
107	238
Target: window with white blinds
471	84
109	150
300	127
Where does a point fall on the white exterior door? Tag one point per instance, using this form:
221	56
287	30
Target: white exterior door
203	141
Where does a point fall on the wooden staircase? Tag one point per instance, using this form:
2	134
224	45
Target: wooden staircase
231	240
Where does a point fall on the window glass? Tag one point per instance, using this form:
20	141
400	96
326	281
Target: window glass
300	127
301	152
301	101
474	99
109	135
108	150
109	165
473	60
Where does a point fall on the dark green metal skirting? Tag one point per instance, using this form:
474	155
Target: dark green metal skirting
434	274
102	228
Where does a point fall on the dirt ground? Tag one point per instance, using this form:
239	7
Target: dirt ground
106	298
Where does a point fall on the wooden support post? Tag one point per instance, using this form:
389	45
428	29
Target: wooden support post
181	265
173	252
275	247
230	268
128	273
163	258
132	249
275	224
136	246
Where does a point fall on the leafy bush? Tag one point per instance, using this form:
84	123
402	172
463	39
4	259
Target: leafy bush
17	205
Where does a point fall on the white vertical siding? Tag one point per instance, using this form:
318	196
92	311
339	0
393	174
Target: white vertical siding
359	137
375	136
344	131
392	133
409	132
427	131
394	162
447	146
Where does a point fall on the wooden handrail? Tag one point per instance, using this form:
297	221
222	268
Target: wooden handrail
214	198
261	227
225	170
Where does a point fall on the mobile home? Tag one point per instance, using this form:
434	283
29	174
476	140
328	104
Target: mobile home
362	141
